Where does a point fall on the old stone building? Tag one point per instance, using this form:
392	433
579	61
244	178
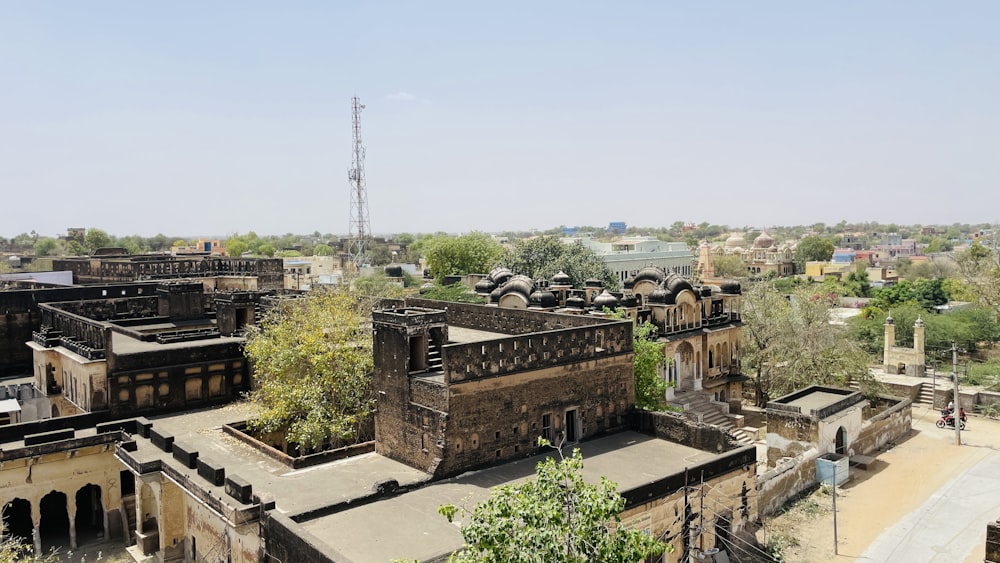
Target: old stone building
463	386
460	387
761	257
142	353
699	327
266	273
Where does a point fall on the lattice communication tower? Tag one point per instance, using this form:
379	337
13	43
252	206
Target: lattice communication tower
361	228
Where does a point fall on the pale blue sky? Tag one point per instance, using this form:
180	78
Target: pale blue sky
219	117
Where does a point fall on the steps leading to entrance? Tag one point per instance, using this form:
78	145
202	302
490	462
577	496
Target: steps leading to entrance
926	394
701	404
127	509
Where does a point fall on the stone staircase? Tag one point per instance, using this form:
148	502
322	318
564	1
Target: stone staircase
926	396
434	361
127	510
701	404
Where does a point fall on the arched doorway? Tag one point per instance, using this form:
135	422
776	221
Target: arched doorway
54	526
89	519
841	441
17	520
684	360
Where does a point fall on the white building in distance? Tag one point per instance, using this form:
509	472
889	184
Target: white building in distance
627	255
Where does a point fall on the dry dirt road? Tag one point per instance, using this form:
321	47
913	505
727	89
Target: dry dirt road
926	499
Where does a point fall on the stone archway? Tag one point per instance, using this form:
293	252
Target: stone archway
89	518
684	361
54	525
17	521
840	442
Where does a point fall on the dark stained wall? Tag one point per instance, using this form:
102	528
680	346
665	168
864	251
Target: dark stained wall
19	316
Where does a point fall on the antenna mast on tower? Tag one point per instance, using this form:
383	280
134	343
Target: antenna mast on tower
360	229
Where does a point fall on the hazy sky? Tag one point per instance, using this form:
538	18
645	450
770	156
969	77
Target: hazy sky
218	117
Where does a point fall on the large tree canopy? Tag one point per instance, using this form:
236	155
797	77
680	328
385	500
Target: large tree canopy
543	257
812	249
979	267
312	362
556	516
790	344
96	238
474	253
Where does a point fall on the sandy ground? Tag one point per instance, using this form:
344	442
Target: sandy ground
900	481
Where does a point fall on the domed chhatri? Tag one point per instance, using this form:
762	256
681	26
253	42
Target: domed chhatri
736	240
605	299
542	298
763	240
659	296
730	287
561	278
485	286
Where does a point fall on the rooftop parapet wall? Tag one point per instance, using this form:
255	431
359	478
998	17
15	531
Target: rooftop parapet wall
850	398
109	308
507	321
410	316
743	457
22	317
76	329
474	360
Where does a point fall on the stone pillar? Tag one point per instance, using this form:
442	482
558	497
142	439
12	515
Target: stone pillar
71	512
36	521
138	505
890	341
919	364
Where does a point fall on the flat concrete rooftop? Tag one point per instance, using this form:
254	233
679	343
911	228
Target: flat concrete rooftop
816	400
123	344
293	490
409	527
463	335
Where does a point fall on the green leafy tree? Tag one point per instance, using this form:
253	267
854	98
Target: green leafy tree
930	293
236	247
96	238
729	266
266	249
46	246
979	268
312	363
557	516
894	295
856	284
377	285
74	248
647	359
789	344
812	249
158	242
323	250
474	253
456	293
969	327
543	257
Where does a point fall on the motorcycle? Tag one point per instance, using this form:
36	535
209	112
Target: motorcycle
948	419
